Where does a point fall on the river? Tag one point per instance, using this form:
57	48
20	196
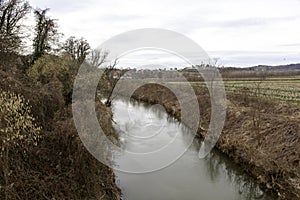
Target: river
145	128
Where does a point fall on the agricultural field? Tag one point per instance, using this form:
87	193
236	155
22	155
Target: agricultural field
277	88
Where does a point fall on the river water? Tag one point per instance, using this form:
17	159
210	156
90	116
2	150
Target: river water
146	128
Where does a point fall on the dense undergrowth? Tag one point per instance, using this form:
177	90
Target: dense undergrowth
46	159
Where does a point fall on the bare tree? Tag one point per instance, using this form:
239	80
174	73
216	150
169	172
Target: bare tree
98	57
11	14
45	33
77	48
212	74
111	75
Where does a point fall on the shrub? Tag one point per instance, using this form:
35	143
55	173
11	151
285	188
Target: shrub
17	125
51	67
18	133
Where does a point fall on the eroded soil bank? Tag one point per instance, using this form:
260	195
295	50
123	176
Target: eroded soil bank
260	135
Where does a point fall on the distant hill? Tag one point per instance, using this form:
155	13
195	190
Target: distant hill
279	67
289	67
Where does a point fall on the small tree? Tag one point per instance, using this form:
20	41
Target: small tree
46	33
212	74
98	57
11	14
111	75
77	48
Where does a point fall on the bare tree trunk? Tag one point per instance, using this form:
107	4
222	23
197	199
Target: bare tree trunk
109	97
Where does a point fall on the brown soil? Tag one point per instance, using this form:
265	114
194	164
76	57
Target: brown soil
261	136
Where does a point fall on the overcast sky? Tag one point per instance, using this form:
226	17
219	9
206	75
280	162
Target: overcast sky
239	32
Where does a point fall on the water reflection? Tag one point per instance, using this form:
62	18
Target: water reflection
245	185
214	177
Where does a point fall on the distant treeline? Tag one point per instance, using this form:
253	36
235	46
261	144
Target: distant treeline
261	71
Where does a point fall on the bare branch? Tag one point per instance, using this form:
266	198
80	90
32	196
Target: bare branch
77	48
98	57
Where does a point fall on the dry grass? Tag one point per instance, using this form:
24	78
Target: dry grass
269	151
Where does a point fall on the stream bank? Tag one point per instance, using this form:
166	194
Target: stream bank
147	129
269	151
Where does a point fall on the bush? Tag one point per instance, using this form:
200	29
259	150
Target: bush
17	125
50	67
18	134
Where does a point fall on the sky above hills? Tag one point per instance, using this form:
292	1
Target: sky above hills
239	33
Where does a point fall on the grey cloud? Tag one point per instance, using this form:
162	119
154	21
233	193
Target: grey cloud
290	45
251	58
241	23
227	58
59	6
254	21
187	25
116	17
